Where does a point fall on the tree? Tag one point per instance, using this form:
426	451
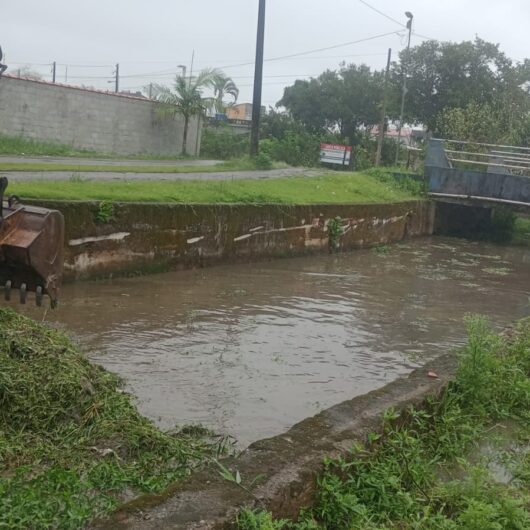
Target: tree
224	86
446	75
345	101
185	99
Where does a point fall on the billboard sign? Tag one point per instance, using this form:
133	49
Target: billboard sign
335	154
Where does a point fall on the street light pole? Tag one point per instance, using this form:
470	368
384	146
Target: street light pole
410	16
258	81
381	136
184	69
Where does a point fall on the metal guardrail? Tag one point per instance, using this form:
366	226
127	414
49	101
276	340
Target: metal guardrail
500	158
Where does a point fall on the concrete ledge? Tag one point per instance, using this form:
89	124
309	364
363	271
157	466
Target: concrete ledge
289	463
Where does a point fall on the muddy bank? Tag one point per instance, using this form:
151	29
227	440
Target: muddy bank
103	240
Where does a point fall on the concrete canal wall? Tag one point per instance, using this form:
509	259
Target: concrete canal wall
148	237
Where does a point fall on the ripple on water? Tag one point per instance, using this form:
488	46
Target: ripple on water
252	349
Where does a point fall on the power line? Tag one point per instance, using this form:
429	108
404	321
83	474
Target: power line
423	36
316	50
382	14
386	15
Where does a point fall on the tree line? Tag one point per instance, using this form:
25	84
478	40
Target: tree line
467	91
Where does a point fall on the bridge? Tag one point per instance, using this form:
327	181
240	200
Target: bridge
479	174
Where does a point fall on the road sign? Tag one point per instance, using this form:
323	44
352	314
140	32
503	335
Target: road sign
335	154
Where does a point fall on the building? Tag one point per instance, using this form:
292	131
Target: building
241	111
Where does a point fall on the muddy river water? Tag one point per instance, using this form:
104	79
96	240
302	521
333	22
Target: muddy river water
250	350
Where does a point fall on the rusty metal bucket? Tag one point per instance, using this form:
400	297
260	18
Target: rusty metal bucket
31	249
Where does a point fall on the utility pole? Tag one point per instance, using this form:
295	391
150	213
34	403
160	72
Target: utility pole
117	72
66	74
258	81
54	71
191	67
150	90
383	112
410	16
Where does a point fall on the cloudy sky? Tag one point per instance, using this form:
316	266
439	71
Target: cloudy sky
151	38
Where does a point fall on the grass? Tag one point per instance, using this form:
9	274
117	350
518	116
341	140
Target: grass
421	471
521	233
18	146
72	444
328	188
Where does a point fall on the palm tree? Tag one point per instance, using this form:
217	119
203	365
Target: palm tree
186	98
223	86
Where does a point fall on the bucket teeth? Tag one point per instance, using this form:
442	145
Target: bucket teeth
7	290
23	294
23	291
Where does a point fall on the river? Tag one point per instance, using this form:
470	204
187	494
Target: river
249	350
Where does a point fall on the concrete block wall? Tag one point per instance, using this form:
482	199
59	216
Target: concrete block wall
88	119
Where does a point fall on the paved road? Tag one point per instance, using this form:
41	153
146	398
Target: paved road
25	176
104	161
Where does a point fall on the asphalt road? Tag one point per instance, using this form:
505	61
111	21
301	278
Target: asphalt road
25	176
105	161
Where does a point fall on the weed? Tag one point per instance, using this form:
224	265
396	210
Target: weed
335	230
382	249
395	480
105	213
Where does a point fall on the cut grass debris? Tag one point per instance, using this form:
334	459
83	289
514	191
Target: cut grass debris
328	188
72	444
421	471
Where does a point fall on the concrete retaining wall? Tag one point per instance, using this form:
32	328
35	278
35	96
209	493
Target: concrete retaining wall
145	237
87	119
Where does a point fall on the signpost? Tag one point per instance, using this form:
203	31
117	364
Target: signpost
335	154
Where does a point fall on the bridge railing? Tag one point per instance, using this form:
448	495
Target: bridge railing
485	157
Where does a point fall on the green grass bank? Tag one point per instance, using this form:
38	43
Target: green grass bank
329	188
19	146
428	469
72	444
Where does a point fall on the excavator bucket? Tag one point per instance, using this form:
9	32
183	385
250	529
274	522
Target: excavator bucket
31	249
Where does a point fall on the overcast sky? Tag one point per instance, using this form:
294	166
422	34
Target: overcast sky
149	38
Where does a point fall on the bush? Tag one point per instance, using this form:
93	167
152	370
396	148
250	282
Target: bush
262	161
502	224
295	148
222	142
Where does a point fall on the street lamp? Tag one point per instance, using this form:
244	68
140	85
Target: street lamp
183	67
409	16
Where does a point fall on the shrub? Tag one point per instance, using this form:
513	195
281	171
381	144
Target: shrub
222	142
262	161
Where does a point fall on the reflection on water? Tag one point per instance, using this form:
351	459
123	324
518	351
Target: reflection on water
252	349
